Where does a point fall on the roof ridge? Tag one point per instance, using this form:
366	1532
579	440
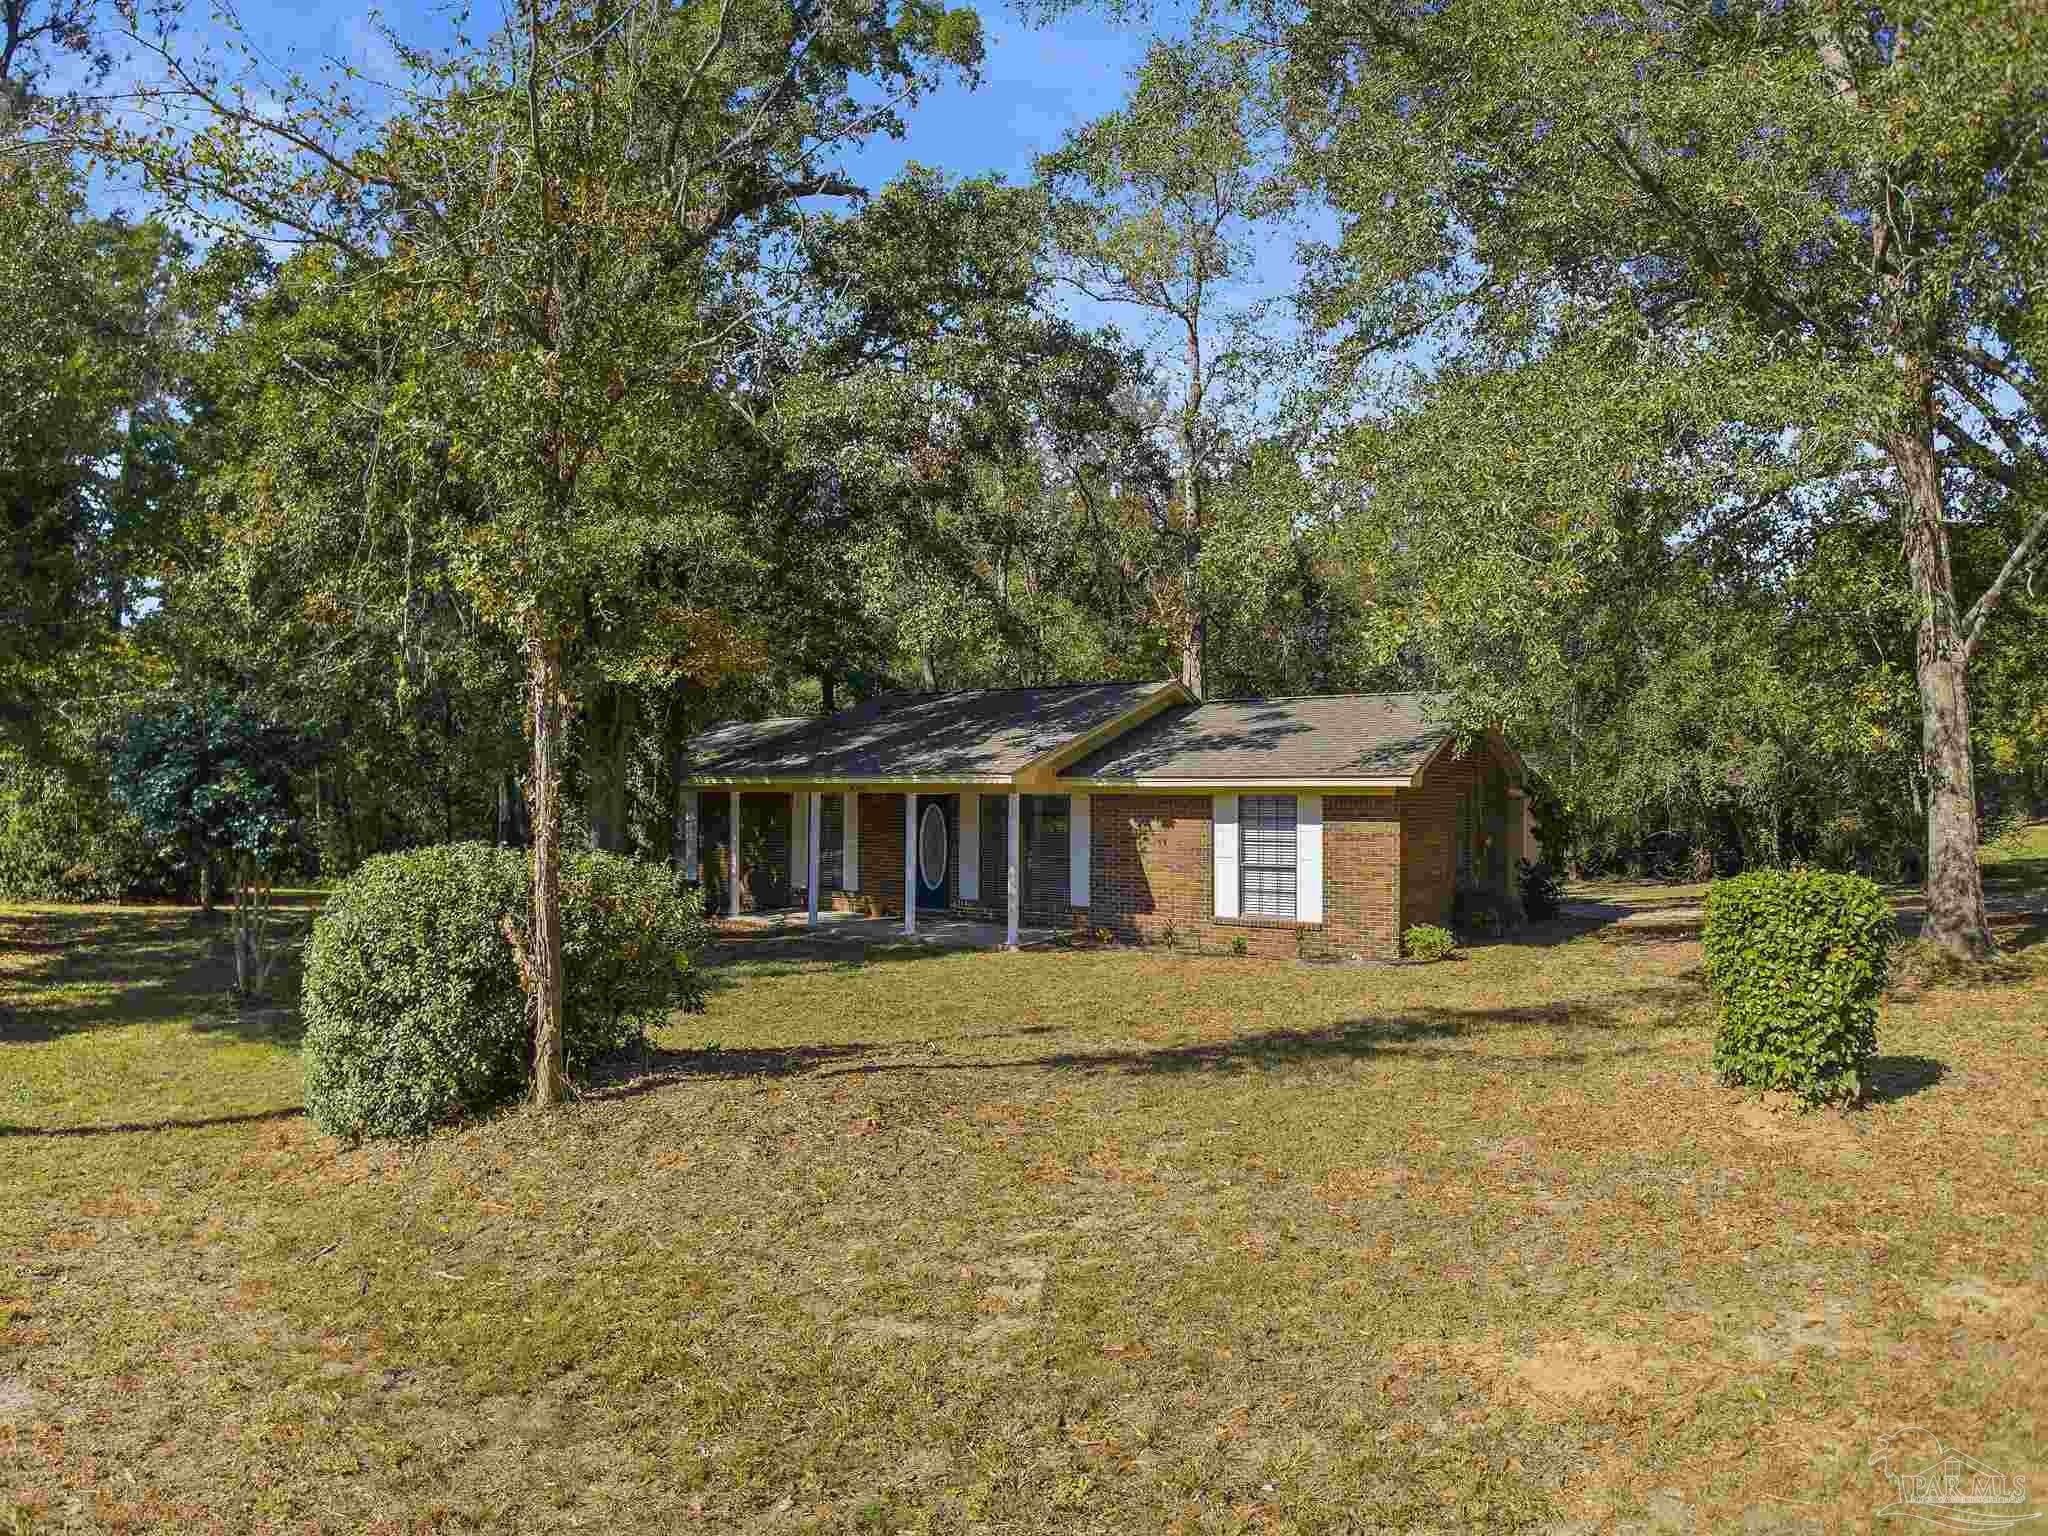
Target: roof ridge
1289	698
1104	682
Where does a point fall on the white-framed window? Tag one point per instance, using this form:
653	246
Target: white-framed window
1269	859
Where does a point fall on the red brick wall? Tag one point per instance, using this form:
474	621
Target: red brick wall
1152	867
1429	832
1429	844
1150	864
881	852
1362	875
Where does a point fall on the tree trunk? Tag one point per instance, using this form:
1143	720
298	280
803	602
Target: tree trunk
544	954
675	759
1195	636
607	735
1955	884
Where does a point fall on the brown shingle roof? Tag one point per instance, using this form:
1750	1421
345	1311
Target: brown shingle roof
716	741
967	734
1363	736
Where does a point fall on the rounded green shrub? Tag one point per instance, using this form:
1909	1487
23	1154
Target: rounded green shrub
413	1010
1797	959
1426	941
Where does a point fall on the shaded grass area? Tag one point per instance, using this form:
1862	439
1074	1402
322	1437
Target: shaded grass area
2018	865
1086	1241
2014	866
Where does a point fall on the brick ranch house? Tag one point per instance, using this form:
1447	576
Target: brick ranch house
1325	825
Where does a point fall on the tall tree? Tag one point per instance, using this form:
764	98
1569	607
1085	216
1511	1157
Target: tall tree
572	222
1836	208
1159	208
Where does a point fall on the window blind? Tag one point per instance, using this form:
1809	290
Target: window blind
1267	857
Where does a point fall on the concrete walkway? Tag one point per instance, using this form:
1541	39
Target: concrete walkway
934	930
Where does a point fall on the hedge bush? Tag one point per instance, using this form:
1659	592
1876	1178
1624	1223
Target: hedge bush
1797	959
412	1005
1542	892
61	840
1426	941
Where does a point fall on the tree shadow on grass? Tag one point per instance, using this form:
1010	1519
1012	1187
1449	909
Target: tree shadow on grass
1605	927
136	1127
1892	1078
1429	1034
70	971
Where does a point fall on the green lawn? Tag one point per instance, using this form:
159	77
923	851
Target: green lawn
2017	866
1068	1241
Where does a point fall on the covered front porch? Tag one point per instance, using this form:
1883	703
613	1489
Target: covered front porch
945	807
964	862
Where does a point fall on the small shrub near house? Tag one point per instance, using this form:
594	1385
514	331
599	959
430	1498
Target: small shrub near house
1542	893
1426	941
413	1010
1797	959
1476	912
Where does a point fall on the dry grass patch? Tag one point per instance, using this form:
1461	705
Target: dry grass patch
1042	1242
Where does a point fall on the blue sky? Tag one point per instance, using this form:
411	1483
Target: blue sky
1038	82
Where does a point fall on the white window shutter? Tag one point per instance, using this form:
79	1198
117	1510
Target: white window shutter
1308	860
1077	850
970	845
1223	811
849	857
692	835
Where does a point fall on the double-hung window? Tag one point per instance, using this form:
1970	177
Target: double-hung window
1268	857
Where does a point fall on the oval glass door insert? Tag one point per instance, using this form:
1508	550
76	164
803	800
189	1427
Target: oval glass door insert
931	848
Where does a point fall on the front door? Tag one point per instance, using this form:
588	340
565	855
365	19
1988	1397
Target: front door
936	821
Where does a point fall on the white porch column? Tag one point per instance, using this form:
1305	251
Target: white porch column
732	859
817	814
970	845
692	836
910	861
1015	894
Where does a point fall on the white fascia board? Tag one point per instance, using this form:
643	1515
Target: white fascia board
1234	786
791	782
